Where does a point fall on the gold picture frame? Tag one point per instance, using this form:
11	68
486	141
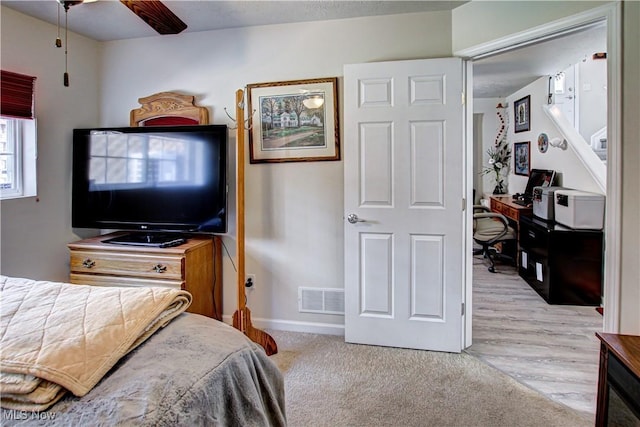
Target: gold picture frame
294	121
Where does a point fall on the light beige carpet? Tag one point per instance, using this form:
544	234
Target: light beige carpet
331	383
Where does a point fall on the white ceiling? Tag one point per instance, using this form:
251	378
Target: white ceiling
501	75
494	77
109	20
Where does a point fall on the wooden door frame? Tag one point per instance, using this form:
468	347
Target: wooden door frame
611	14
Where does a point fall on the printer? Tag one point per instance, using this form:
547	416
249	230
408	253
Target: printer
579	209
543	202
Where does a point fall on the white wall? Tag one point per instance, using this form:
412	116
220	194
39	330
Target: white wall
35	230
571	171
479	22
294	211
592	96
294	216
212	66
490	126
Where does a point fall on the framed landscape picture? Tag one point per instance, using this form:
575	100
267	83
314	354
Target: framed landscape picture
521	158
522	114
294	121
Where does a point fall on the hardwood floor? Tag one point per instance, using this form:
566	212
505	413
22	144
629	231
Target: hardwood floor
550	348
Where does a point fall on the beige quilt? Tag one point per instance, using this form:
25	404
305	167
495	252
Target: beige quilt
56	336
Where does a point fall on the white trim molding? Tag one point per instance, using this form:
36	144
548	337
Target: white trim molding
537	34
293	326
611	13
613	206
467	335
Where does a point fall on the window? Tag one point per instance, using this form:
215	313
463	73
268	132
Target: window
17	136
9	154
17	158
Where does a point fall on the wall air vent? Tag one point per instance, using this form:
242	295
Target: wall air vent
321	300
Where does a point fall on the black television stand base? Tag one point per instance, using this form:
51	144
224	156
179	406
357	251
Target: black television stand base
158	240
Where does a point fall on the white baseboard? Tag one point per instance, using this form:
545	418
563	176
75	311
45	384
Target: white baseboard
293	326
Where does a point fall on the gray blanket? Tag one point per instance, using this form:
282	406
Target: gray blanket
194	372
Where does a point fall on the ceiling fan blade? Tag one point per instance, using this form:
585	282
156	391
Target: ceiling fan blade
157	15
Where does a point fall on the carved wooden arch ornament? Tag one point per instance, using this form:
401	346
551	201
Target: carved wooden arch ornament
168	108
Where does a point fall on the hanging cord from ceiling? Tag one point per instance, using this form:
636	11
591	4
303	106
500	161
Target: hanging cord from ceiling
66	4
58	40
65	77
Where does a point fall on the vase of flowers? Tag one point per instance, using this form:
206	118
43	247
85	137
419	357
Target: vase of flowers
498	163
499	156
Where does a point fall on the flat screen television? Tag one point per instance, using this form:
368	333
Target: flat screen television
151	179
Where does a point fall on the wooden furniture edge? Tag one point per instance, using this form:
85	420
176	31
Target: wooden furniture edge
168	104
623	346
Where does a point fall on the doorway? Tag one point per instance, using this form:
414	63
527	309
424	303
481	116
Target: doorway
612	237
610	15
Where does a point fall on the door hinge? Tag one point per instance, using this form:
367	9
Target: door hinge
464	204
463	98
463	307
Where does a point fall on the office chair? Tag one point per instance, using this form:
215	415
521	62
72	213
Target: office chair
490	228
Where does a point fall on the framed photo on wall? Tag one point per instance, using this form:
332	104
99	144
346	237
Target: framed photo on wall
522	158
522	114
294	121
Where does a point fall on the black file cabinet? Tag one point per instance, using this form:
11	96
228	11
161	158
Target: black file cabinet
563	265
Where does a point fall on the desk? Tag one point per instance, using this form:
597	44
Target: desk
618	381
505	206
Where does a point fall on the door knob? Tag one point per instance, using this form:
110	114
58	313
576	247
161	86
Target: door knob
353	218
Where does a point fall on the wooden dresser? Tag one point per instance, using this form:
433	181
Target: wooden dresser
195	266
619	380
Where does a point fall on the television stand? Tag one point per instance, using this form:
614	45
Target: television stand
158	240
195	266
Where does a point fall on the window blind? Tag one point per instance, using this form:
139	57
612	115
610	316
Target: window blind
16	95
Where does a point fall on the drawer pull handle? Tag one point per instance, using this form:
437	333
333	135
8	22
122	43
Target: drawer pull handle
88	263
159	268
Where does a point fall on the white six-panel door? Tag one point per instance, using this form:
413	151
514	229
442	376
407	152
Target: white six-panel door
404	157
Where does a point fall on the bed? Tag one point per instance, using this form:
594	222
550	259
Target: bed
194	371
